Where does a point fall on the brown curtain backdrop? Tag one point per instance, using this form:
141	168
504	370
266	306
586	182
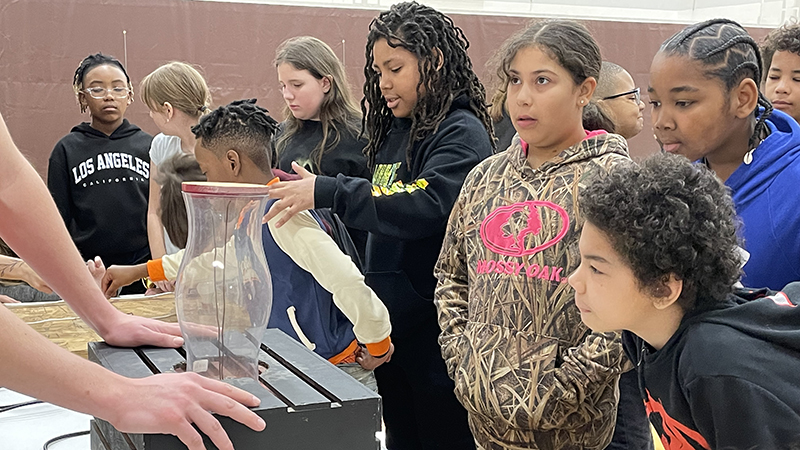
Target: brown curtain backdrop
42	42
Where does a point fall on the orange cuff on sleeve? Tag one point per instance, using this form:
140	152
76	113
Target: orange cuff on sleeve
155	270
380	348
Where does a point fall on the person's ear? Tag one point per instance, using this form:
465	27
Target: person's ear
326	84
438	56
233	162
586	90
745	98
168	110
667	292
82	102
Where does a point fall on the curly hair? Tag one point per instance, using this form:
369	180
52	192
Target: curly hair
666	217
783	39
726	52
568	42
240	125
435	40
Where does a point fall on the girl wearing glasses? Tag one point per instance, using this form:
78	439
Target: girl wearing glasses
98	174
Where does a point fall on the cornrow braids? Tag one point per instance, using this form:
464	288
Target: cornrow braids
445	73
728	53
89	63
241	125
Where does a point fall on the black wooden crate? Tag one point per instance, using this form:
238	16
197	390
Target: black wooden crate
307	403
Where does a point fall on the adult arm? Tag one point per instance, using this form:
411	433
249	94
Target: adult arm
166	403
16	269
31	225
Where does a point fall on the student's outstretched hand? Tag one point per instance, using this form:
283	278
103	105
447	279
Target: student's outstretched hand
370	362
117	277
294	196
171	403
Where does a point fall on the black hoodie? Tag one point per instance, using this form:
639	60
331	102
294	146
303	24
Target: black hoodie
405	208
100	184
728	377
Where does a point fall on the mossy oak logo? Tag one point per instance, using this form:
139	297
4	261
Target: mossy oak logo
511	230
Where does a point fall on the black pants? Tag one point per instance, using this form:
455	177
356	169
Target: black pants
632	431
420	409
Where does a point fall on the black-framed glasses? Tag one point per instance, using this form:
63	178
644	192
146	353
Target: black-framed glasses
101	92
635	92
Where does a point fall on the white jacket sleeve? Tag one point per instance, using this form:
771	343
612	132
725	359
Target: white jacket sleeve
315	251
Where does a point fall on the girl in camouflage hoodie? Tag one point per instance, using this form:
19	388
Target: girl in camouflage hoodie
527	370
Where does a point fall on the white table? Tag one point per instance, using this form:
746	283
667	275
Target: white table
29	427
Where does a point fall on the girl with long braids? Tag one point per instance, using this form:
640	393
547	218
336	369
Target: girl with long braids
98	174
708	108
427	122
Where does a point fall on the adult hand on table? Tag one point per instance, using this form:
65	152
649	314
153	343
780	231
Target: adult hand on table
124	330
294	196
171	403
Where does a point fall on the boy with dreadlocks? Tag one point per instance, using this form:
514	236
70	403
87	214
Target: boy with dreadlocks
98	174
781	49
717	368
426	117
319	295
707	107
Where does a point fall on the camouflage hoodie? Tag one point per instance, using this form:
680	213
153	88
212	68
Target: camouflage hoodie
527	370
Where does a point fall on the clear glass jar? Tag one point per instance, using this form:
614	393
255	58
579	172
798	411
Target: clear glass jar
223	293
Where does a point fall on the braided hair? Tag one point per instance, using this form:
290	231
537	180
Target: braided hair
241	125
728	53
89	63
444	67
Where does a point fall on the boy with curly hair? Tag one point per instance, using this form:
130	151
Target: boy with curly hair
716	368
781	53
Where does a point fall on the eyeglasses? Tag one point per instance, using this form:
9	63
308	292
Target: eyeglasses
101	92
635	92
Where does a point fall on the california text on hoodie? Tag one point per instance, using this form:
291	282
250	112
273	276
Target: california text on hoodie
765	196
530	374
100	184
405	211
727	378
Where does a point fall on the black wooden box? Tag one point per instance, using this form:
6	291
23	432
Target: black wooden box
306	402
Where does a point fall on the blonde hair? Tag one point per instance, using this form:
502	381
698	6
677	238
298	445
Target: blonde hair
338	108
181	85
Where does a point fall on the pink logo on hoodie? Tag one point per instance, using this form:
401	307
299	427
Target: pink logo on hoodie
500	236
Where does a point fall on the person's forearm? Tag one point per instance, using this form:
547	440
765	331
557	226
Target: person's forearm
155	230
13	269
49	373
56	260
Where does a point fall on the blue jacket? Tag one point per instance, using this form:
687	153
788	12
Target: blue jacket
767	198
318	318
